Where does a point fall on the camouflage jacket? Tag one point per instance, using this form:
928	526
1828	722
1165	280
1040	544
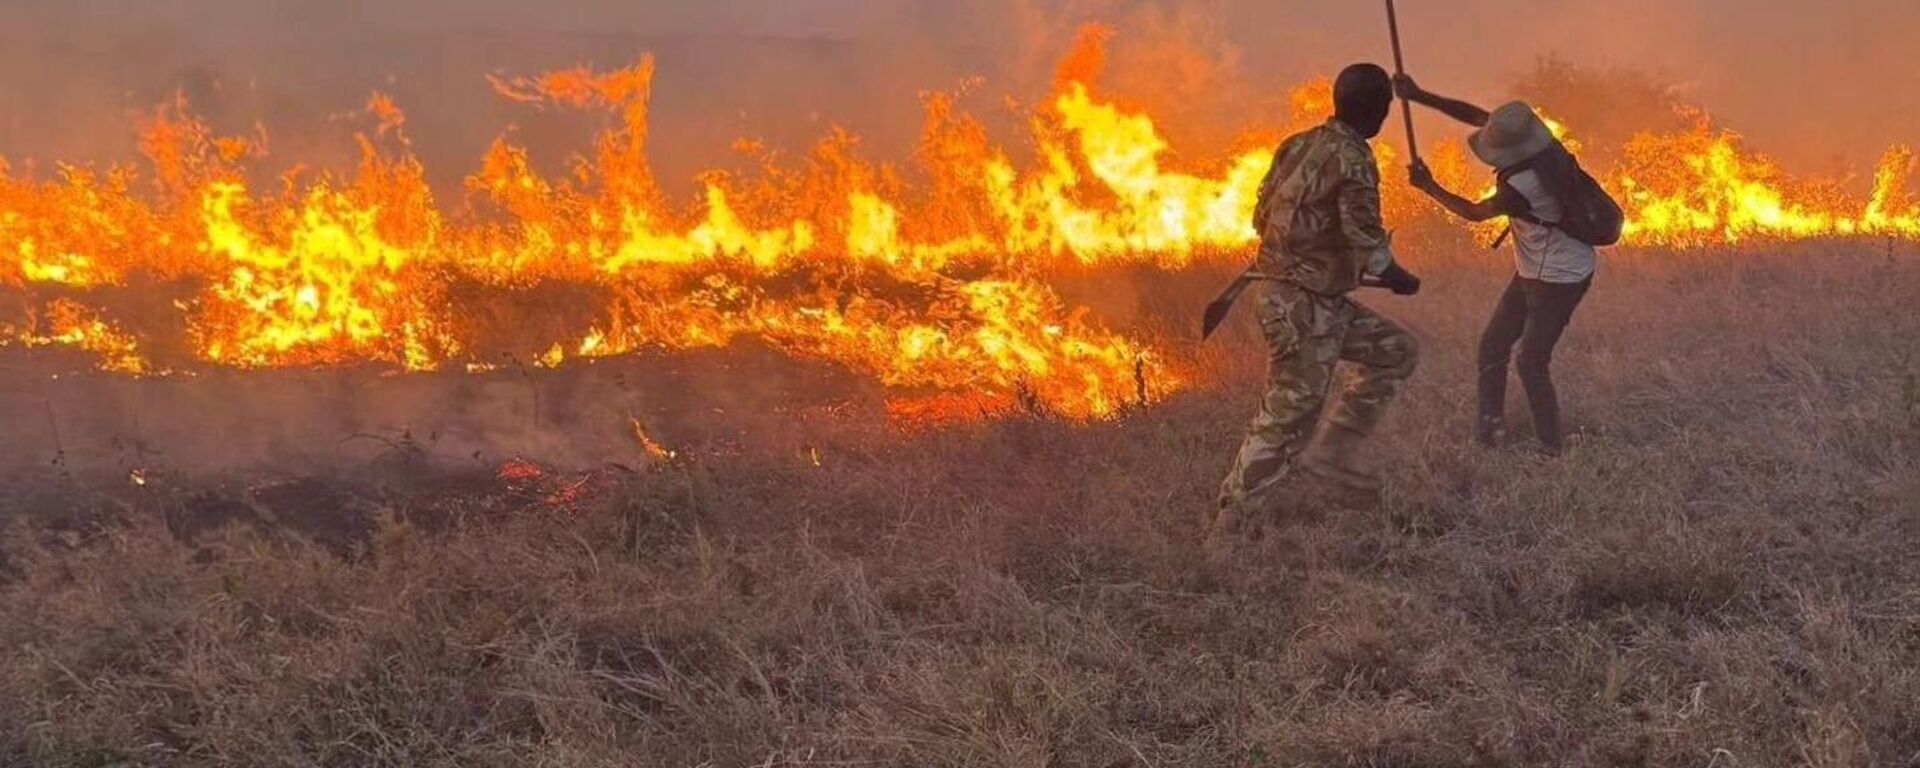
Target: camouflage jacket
1319	212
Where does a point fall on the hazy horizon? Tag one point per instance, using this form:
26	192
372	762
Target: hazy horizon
1824	87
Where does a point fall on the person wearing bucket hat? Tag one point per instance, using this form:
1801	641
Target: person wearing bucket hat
1513	134
1553	269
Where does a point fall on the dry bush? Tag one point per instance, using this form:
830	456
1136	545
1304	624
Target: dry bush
1720	573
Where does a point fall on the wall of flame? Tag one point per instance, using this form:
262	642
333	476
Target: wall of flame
931	277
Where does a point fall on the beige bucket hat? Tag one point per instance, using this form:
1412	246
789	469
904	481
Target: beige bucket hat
1514	135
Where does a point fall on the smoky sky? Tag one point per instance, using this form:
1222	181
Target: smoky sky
1825	85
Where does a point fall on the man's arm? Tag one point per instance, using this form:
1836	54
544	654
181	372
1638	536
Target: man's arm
1361	224
1503	202
1454	108
1263	204
1360	220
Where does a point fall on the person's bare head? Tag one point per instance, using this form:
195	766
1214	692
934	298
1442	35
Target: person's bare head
1362	96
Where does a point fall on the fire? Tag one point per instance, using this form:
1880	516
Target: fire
1154	211
653	448
932	279
319	285
69	324
1704	186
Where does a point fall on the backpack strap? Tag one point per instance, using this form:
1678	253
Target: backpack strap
1503	180
1537	165
1504	183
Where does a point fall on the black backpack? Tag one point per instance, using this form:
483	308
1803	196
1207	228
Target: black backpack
1588	213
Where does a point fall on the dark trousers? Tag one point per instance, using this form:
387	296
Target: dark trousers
1534	314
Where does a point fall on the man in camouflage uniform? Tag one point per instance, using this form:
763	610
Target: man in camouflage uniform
1321	235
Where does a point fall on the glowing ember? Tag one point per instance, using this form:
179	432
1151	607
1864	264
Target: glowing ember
519	471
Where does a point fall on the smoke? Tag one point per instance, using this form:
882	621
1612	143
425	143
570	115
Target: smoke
1818	84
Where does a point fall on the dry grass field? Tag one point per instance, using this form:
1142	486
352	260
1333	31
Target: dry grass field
1720	573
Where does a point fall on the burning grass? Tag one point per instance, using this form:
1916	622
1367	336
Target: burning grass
936	273
1720	573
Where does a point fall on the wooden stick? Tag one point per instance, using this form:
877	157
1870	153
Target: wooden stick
1400	68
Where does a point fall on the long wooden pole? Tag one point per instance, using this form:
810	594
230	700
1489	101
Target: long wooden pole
1400	68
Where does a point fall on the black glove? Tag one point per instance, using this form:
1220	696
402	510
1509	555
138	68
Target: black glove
1399	280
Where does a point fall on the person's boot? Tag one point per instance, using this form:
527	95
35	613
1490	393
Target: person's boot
1231	526
1546	426
1335	458
1544	402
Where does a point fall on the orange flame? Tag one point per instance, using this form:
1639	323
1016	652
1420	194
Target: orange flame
939	287
1704	186
70	324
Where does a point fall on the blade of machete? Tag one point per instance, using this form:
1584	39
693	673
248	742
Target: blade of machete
1217	311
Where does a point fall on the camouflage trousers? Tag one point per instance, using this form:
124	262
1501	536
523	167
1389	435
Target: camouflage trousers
1307	335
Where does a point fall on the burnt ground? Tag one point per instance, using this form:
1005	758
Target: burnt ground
222	422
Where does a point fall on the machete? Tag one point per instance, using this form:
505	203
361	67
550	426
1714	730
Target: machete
1217	311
